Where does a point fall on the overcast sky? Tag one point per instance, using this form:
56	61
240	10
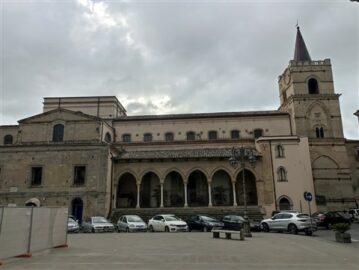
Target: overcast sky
162	57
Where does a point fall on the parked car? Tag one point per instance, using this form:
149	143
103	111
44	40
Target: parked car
354	213
329	218
72	225
167	223
97	224
203	223
131	223
235	222
291	222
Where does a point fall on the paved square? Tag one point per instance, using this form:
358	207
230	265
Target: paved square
194	250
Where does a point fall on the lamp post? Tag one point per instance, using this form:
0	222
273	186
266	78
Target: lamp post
240	156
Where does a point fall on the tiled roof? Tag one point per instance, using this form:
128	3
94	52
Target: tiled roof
200	115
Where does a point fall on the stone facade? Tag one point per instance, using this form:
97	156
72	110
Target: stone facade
86	153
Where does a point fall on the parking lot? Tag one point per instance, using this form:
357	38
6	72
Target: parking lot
196	250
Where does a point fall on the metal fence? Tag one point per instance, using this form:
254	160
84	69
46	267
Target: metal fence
29	229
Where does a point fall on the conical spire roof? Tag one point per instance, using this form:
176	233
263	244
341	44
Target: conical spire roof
301	53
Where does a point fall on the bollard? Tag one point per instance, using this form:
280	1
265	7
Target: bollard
241	236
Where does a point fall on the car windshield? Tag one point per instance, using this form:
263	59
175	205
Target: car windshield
171	218
238	218
99	220
208	218
134	219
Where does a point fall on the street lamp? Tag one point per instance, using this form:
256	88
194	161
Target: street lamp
240	156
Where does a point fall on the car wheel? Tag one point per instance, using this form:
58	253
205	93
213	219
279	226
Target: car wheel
292	229
93	230
127	229
265	227
167	229
150	228
308	232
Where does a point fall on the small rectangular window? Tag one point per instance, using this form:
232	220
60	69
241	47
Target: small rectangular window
36	176
126	137
235	134
147	137
212	135
79	175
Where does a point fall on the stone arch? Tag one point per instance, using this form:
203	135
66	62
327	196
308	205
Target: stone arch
318	115
150	195
251	187
8	139
174	169
173	190
196	169
197	188
325	176
148	171
222	168
284	203
221	188
126	191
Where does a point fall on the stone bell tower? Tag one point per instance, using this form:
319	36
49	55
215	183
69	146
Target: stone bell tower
307	92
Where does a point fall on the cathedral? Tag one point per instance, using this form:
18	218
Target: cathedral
87	154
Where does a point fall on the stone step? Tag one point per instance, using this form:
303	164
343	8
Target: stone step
253	212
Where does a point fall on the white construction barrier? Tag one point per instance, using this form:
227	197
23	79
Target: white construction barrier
29	229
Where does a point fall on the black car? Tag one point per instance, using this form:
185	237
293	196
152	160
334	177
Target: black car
234	222
329	218
203	223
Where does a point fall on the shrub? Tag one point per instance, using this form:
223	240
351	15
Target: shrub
341	227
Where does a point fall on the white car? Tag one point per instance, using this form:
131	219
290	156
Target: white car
167	223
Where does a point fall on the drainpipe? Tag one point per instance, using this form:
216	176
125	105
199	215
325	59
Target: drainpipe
111	186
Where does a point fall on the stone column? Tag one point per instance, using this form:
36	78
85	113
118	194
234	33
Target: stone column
161	205
138	195
185	194
209	193
234	194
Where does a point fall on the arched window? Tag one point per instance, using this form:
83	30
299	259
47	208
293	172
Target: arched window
126	138
169	137
258	133
8	139
235	134
280	151
147	137
212	135
58	133
282	174
191	136
313	86
319	132
108	138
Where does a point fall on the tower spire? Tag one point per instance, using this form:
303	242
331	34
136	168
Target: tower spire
301	53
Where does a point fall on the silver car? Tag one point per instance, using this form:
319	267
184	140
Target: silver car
131	223
72	225
291	222
97	224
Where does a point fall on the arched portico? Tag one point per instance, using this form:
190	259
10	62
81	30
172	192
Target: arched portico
173	195
251	188
150	191
126	191
197	189
222	194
